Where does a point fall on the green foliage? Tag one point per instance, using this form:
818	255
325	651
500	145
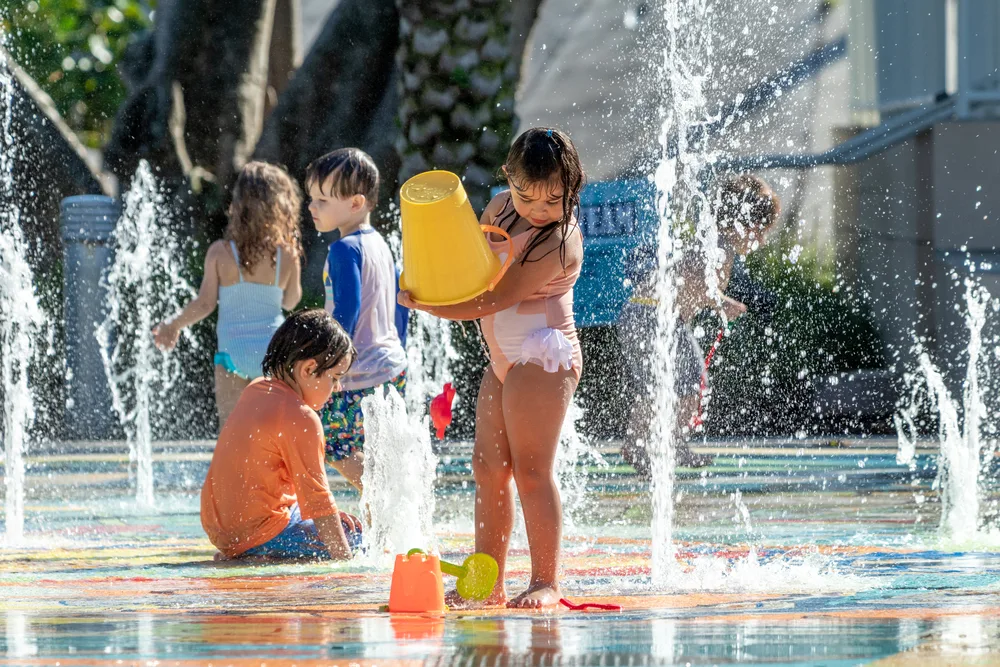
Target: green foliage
460	77
763	379
72	49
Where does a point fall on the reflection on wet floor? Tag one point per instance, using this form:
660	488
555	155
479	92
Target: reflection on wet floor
637	638
827	556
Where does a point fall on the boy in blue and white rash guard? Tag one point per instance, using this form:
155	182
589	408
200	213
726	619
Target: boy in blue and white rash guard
361	282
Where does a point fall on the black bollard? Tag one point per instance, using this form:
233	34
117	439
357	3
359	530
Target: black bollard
88	222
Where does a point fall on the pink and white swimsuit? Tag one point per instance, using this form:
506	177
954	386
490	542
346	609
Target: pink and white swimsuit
541	329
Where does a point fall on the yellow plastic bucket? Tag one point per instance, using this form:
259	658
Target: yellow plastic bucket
446	258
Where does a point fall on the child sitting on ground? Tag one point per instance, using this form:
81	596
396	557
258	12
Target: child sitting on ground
745	209
251	273
266	493
361	283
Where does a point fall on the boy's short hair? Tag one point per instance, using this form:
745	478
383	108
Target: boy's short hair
350	171
746	200
307	334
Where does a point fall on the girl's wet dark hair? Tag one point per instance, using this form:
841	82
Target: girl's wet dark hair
307	334
544	154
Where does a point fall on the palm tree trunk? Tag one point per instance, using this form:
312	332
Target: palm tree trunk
460	65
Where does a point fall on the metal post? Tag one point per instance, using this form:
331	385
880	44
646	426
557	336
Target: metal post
964	49
88	222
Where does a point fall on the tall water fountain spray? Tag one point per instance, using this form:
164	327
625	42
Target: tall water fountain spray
961	430
145	285
686	67
20	320
429	353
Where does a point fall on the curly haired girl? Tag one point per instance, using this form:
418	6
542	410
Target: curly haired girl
252	273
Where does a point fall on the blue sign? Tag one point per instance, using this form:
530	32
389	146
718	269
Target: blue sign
615	218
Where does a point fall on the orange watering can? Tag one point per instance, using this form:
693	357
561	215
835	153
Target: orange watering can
446	258
417	586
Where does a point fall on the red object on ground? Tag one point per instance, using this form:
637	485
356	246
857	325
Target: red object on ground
441	409
589	605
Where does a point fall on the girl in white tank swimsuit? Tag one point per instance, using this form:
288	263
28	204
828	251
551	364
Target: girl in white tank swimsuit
535	360
252	274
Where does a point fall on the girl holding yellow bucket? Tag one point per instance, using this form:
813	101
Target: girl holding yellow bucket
527	320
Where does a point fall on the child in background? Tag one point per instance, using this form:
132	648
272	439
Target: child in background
745	209
535	358
252	273
636	333
361	282
266	493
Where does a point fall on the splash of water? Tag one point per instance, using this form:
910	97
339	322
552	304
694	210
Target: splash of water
742	516
20	320
905	420
961	427
685	71
145	285
429	354
575	454
398	479
18	329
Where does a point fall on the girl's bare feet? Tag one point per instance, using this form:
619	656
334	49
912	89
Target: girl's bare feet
538	596
455	601
219	556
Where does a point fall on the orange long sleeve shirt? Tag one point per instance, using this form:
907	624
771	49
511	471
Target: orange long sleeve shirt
268	457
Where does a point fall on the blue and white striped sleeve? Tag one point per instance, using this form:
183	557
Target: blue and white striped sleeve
344	271
402	316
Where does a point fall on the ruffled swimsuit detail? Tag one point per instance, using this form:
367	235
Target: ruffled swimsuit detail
539	330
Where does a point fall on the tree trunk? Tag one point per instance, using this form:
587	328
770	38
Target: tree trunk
344	94
284	57
198	90
335	95
47	163
461	63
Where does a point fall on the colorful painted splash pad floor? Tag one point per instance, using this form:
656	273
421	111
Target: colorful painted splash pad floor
804	553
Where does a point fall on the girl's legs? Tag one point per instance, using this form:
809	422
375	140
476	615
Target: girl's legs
493	471
228	387
534	407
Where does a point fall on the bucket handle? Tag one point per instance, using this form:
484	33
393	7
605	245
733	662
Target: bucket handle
510	253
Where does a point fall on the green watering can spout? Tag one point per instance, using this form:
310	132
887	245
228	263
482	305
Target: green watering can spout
476	576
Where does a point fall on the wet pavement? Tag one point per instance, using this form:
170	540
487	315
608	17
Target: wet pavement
790	553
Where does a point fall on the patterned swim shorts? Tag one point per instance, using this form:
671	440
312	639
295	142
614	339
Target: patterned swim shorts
343	421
